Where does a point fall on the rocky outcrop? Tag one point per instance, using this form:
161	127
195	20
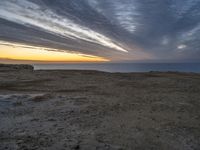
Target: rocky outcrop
9	67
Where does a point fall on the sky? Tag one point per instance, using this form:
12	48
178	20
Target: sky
100	30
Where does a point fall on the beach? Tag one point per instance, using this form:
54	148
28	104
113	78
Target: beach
74	109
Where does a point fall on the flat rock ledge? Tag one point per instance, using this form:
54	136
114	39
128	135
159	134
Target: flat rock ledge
9	67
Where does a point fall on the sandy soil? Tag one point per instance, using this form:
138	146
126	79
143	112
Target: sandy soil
61	110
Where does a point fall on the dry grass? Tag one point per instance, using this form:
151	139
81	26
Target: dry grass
41	98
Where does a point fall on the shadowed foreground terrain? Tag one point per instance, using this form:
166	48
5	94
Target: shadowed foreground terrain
60	110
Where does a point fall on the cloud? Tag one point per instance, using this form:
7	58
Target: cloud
114	29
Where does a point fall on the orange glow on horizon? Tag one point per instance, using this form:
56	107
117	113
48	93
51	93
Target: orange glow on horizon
28	53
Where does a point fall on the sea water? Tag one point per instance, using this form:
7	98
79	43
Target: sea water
123	67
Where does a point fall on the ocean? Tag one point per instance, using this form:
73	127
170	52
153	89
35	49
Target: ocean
123	67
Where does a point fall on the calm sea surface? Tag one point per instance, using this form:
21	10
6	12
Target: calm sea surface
124	67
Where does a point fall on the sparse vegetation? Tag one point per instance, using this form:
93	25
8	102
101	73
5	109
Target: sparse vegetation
41	98
94	110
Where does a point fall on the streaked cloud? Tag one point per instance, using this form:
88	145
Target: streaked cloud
113	29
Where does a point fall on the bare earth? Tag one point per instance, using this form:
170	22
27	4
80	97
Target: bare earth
88	110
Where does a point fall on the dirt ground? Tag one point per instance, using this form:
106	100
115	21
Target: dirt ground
91	110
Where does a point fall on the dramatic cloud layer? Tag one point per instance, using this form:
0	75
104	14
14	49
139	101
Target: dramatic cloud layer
114	29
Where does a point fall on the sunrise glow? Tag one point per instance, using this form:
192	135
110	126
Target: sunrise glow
30	53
